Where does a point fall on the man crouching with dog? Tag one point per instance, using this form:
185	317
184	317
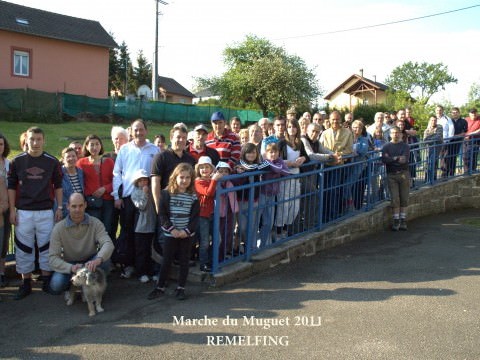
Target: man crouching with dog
79	245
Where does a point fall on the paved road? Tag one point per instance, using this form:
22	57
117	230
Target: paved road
406	295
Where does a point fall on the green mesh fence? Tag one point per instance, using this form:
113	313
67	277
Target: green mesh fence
22	103
74	105
154	111
18	102
11	100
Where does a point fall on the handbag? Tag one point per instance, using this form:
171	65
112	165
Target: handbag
94	202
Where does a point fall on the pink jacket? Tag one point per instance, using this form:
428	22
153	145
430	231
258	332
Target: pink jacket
232	197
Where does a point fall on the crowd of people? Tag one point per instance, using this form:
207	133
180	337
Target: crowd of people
115	210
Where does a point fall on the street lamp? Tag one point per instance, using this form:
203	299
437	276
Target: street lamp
155	54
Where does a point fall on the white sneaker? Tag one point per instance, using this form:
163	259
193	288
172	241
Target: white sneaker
127	272
144	279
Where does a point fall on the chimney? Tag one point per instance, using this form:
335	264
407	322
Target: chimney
361	72
375	78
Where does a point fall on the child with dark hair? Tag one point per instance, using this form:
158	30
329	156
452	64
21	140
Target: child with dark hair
249	162
160	142
228	210
268	192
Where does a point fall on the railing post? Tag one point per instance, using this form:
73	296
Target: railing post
251	231
321	177
216	228
470	155
370	170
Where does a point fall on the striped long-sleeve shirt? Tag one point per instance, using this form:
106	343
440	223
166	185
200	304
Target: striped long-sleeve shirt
178	211
228	146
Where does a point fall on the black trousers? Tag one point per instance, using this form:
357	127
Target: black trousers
125	244
172	246
143	253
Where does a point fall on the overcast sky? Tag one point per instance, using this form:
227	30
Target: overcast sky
193	34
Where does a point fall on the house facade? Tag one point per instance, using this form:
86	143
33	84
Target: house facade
357	90
169	90
51	52
205	94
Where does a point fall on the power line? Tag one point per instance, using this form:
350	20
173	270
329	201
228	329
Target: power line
378	25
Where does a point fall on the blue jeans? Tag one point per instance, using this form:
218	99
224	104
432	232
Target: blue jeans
248	236
266	209
204	229
105	215
60	282
432	163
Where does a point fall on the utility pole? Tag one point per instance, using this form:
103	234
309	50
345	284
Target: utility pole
155	53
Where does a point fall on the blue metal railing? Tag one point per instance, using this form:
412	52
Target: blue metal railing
321	195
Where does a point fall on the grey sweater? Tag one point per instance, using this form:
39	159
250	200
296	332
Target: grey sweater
147	217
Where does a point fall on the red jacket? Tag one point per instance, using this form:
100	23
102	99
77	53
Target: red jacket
473	125
92	180
206	196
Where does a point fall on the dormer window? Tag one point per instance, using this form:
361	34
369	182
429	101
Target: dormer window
22	21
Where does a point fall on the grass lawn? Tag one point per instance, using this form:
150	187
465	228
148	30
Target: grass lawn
58	136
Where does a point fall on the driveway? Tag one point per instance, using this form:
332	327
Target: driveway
405	295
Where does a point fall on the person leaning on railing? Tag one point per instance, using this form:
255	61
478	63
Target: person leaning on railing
339	140
472	141
433	136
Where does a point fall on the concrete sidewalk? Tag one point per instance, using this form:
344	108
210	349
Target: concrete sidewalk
405	295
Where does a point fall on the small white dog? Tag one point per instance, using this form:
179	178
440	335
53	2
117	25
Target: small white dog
93	285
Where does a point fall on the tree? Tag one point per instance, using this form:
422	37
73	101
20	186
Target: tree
113	68
262	75
419	81
474	96
124	71
143	71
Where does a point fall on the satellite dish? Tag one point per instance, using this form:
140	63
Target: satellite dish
144	92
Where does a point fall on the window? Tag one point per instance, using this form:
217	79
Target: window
21	62
22	21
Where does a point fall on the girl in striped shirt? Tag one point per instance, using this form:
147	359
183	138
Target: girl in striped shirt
178	216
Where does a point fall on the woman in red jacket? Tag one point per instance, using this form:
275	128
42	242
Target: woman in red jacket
98	177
